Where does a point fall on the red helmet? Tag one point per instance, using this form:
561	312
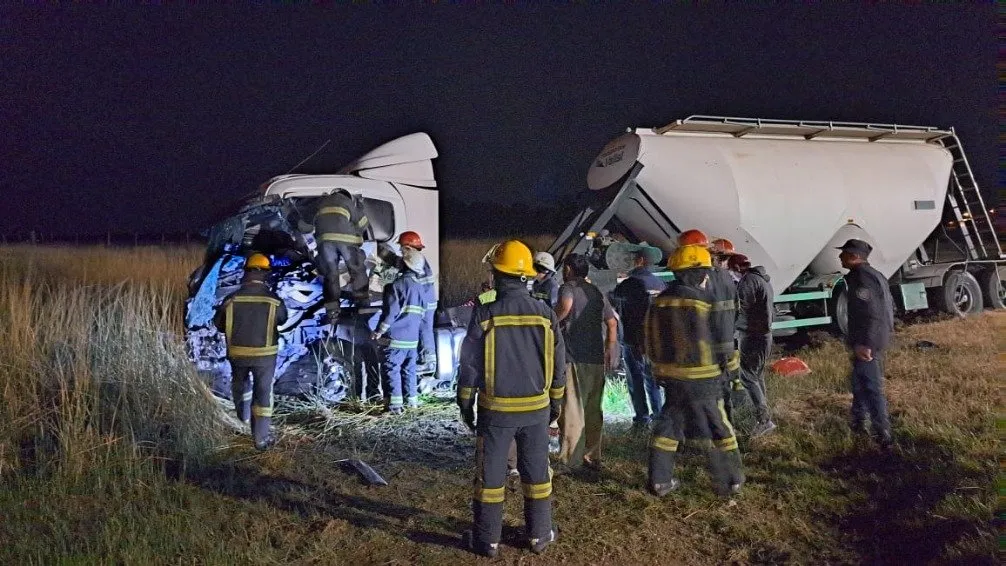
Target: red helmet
411	239
738	262
693	238
722	246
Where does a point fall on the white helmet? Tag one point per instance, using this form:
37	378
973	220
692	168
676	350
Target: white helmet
545	260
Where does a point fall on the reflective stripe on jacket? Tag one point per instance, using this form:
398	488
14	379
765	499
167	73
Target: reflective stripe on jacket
513	357
249	319
679	329
723	318
403	311
340	219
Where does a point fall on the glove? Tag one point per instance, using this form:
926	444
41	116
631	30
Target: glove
554	410
468	417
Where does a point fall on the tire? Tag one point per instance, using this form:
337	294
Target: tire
961	295
840	311
993	289
784	332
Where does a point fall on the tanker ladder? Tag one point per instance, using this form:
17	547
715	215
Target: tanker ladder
977	229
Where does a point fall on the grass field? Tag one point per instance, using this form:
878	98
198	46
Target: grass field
111	451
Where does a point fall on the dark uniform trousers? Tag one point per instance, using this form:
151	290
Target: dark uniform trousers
868	393
366	363
329	254
492	446
251	389
398	368
755	350
697	412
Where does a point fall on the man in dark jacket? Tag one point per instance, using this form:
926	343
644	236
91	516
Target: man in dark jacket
631	298
339	225
249	319
871	323
754	334
512	367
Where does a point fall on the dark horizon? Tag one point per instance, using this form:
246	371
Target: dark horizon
151	119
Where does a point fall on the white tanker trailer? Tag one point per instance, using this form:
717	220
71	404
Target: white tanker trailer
786	193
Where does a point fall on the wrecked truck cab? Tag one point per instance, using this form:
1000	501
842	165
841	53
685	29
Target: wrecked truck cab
396	186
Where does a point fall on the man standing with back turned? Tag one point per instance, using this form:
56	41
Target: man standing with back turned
585	314
871	323
249	319
512	363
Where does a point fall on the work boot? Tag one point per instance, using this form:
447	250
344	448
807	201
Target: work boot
762	428
489	550
413	402
395	410
265	443
662	489
538	546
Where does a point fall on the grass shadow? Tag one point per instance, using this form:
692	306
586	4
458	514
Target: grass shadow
898	521
305	499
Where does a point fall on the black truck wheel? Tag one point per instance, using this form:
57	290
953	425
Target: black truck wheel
960	295
993	289
839	309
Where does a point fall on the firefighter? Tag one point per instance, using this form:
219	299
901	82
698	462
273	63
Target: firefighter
398	331
249	319
545	286
427	340
512	367
871	323
680	331
724	308
339	227
754	334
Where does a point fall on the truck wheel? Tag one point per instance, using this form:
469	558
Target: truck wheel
993	289
840	311
960	295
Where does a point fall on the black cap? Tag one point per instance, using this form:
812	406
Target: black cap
858	247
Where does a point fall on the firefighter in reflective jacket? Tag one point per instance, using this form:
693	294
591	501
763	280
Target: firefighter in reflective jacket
339	226
398	331
513	368
249	319
427	340
724	310
681	328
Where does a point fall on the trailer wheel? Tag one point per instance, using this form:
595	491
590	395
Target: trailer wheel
840	310
960	295
993	289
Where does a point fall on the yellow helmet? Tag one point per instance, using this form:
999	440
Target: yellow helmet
257	261
687	257
513	257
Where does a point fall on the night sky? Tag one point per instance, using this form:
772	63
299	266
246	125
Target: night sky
150	119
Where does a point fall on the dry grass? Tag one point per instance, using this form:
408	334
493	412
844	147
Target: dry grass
101	415
461	268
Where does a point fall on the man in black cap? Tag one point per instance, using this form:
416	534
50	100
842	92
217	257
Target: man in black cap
871	323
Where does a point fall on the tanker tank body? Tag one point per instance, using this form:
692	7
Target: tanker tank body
785	193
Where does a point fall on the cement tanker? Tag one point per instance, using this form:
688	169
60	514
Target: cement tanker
786	193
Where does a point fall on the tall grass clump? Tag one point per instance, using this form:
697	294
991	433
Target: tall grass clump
92	376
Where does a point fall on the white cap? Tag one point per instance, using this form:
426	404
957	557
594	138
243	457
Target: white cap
545	260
